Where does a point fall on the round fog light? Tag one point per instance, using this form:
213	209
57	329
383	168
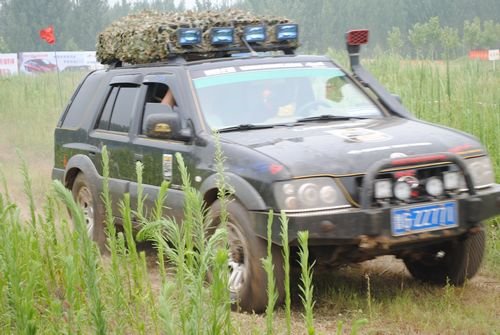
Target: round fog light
434	186
402	190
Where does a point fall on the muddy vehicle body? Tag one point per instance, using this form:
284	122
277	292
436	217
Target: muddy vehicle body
334	150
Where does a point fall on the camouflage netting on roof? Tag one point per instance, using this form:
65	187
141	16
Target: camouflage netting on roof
143	37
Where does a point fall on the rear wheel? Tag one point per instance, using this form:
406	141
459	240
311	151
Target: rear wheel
247	278
86	197
453	262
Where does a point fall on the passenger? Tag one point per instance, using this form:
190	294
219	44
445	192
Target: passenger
169	99
333	89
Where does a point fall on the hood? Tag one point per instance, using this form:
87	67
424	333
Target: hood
350	147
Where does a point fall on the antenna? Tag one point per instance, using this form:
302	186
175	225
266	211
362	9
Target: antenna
252	51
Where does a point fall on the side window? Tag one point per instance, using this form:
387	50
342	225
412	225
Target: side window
108	107
85	93
158	93
122	111
117	111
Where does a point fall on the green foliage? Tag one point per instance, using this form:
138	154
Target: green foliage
88	252
395	40
286	266
3	45
85	20
306	286
418	38
477	35
22	20
322	23
472	33
194	253
449	38
267	262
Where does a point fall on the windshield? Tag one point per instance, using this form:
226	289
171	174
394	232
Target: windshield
277	96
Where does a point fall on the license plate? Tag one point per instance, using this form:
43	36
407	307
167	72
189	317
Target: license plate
417	219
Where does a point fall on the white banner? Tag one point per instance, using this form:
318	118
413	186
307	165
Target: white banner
77	61
494	54
8	64
37	62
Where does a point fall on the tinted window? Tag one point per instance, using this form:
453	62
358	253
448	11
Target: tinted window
108	107
76	111
123	107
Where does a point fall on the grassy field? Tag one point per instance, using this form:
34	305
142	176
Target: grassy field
53	281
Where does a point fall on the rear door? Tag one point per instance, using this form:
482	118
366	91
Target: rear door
112	129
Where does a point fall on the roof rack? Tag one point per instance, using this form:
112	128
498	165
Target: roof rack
169	37
183	58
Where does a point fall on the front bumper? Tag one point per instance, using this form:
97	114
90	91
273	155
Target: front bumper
371	228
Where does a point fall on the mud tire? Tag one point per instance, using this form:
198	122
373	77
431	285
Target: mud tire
248	250
452	262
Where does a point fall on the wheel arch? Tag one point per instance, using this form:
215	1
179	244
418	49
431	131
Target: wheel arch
77	164
243	191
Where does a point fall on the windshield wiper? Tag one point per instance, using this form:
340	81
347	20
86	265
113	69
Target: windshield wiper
330	117
248	126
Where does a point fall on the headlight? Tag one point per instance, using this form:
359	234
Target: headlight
481	171
308	194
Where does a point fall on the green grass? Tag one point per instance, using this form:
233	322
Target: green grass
53	281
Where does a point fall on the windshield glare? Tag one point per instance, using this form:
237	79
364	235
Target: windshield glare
280	96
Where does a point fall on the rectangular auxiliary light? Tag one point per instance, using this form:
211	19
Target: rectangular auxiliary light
254	34
221	35
189	36
287	32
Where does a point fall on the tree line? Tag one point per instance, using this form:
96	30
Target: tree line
416	28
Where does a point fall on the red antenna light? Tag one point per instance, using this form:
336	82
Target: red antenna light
357	37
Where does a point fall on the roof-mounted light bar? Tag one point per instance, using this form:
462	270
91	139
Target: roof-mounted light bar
222	35
254	34
189	36
287	32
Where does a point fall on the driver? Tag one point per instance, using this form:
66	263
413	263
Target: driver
275	103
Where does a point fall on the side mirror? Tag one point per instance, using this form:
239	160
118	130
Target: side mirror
160	121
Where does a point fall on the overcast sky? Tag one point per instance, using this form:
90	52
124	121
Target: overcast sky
189	3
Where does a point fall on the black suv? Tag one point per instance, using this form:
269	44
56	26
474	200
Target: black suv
335	151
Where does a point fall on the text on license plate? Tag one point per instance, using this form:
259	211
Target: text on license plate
418	219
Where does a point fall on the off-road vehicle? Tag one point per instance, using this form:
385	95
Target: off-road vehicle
333	149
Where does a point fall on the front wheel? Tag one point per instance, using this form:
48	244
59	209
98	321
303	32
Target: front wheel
451	262
247	277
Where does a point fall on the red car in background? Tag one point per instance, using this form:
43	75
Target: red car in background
39	65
